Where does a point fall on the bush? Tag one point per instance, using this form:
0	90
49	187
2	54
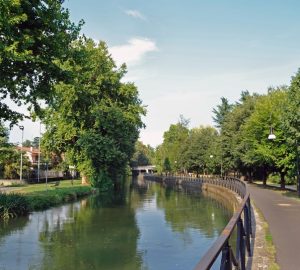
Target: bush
12	205
275	178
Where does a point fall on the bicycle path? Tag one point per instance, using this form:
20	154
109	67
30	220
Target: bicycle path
283	216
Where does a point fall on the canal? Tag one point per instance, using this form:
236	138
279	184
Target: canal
146	226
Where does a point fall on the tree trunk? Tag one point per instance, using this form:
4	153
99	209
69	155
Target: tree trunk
84	179
249	176
282	180
264	182
264	176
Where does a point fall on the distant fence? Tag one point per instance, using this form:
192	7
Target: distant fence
241	221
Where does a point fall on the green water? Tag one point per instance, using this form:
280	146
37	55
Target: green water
146	226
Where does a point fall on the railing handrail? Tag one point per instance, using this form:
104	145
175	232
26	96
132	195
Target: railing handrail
211	255
244	229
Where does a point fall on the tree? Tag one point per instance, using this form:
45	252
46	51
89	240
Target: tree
221	111
167	165
200	150
27	143
231	139
10	157
95	118
171	148
143	155
35	142
291	123
260	152
34	37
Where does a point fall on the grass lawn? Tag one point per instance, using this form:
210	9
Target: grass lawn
30	188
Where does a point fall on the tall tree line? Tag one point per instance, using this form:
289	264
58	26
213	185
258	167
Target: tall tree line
239	144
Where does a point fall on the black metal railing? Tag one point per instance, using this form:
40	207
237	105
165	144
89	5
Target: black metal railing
241	221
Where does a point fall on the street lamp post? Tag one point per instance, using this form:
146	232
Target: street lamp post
298	169
47	175
21	164
39	155
211	157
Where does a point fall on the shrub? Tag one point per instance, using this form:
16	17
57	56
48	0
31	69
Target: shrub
12	205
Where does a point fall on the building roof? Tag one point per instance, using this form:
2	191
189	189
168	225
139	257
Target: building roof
28	149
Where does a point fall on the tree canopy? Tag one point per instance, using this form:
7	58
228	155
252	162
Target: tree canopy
241	145
95	118
35	36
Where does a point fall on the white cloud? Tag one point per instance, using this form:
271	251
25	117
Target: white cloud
135	14
133	52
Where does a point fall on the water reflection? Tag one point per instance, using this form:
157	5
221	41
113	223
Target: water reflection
145	226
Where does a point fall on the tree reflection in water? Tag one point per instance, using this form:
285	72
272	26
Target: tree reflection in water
144	226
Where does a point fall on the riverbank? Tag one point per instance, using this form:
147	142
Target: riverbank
25	199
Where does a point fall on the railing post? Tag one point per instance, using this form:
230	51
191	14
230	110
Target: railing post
250	218
247	229
226	258
240	245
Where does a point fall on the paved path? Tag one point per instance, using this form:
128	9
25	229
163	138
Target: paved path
283	217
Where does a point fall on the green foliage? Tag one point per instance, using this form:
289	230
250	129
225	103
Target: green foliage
241	145
167	165
143	155
260	150
171	147
95	118
27	143
13	205
221	111
200	151
41	200
10	158
291	122
33	35
231	138
34	143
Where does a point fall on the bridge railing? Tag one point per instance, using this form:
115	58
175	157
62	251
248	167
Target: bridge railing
241	221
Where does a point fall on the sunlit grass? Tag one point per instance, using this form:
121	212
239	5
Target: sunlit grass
49	186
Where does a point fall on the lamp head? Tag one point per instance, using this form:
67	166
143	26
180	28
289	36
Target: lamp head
271	136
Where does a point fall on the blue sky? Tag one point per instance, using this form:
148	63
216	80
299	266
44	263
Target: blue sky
185	55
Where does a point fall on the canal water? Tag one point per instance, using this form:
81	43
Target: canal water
146	226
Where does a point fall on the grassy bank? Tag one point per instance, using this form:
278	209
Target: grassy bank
264	251
39	197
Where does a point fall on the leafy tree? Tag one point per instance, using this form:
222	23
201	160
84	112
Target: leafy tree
200	150
34	37
35	142
221	111
171	148
231	145
291	123
143	155
95	118
167	165
261	152
27	143
10	157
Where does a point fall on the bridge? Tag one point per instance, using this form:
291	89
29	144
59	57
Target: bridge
143	169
